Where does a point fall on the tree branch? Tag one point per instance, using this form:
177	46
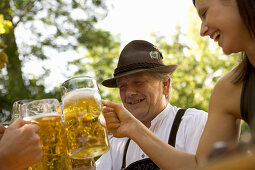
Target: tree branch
27	9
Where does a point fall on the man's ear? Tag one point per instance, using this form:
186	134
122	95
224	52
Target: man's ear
166	86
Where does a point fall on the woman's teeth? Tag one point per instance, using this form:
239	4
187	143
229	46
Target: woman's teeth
215	36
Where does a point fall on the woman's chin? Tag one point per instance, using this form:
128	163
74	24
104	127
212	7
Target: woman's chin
228	51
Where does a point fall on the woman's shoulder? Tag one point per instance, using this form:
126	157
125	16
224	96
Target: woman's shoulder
226	83
227	94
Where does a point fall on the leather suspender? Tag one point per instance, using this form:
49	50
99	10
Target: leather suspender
172	135
125	154
175	127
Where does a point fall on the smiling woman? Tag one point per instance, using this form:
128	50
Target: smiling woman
232	24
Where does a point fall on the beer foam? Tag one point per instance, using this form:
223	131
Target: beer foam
82	93
40	115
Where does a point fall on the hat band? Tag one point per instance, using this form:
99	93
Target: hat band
135	66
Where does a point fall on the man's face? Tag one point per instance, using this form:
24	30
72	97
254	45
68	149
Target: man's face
143	95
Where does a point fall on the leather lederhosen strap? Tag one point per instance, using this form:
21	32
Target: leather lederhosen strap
148	164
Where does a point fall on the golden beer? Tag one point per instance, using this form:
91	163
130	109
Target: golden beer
83	164
85	135
53	140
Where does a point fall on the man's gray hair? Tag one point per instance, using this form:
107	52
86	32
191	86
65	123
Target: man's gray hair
162	77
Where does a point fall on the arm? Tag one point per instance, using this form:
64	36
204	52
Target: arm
20	146
224	110
221	126
122	124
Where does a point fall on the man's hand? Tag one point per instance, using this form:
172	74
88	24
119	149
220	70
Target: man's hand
20	146
119	121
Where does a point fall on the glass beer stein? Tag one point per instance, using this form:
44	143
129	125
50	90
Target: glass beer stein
83	164
16	111
47	115
17	108
86	137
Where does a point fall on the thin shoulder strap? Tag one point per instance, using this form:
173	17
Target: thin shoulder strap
175	127
124	155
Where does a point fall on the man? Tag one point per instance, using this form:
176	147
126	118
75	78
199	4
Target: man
144	84
20	145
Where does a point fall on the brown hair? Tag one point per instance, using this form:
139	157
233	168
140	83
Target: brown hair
247	12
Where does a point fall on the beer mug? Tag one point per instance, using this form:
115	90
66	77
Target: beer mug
47	115
80	164
82	107
83	164
16	111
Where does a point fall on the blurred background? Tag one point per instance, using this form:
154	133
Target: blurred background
45	42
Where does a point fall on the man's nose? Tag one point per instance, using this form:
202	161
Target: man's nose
131	91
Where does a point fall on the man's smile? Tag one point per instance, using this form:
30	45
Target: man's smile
136	101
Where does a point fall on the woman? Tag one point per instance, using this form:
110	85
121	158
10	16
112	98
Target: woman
230	23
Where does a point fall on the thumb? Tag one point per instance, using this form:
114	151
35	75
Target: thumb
113	105
19	123
121	112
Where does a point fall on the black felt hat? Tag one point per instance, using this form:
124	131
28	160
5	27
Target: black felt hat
138	56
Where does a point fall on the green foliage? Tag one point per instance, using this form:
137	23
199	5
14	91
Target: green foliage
200	64
49	25
100	63
5	26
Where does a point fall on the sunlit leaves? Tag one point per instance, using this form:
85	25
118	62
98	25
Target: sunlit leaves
3	59
5	25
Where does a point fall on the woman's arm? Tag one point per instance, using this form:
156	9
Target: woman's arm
224	110
123	124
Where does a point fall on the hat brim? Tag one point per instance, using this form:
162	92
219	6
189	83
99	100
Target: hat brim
162	69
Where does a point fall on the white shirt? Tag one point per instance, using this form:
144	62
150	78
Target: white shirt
187	138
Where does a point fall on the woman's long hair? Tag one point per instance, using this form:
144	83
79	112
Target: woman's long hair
247	12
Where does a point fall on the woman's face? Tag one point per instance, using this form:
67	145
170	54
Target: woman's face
221	21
